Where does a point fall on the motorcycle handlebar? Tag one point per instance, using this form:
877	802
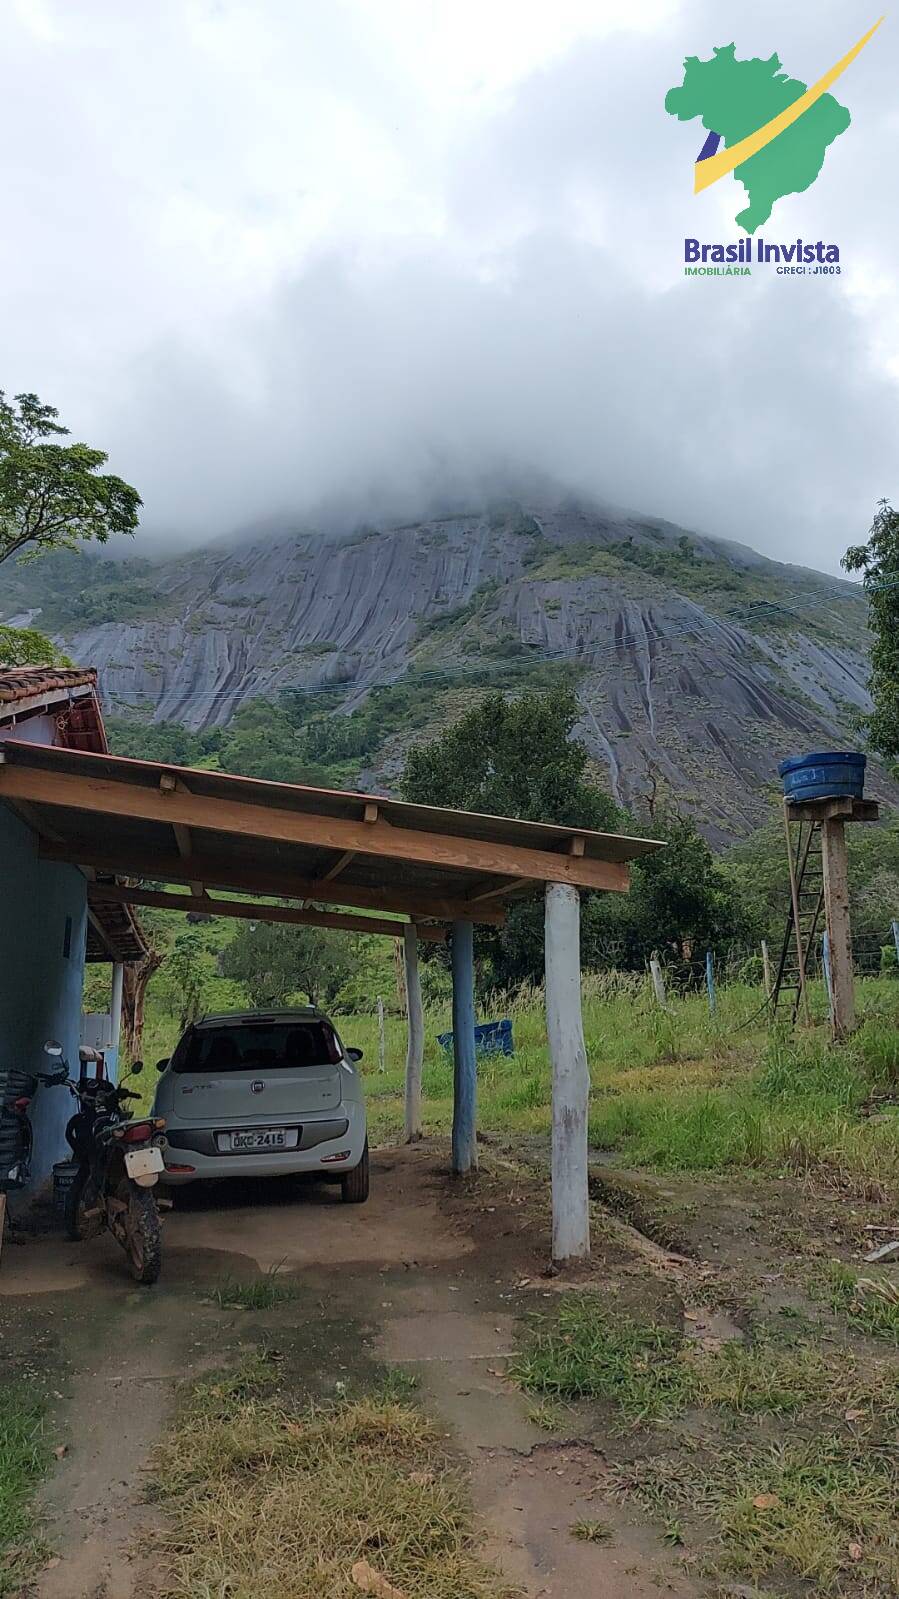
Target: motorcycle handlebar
54	1079
61	1079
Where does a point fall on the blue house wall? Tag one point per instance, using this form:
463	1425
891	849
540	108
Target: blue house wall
43	937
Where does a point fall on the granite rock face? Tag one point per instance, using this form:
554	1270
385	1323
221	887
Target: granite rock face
701	663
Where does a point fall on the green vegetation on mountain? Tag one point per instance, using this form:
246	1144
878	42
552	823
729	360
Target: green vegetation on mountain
697	663
71	590
295	740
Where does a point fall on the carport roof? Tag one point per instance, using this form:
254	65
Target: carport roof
181	824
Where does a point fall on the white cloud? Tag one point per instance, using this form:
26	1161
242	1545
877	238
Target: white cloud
275	254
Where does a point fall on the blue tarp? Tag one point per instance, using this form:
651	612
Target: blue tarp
490	1038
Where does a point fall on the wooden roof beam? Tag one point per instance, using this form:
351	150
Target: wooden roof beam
185	850
335	870
100	931
31	819
105	796
228	874
498	890
247	910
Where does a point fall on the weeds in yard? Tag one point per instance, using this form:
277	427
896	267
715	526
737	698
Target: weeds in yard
652	1374
262	1497
824	1508
820	1506
263	1293
24	1457
549	1415
398	1384
674	1091
584	1353
872	1303
592	1531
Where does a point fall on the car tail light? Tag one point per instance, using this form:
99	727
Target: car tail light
342	1154
169	1166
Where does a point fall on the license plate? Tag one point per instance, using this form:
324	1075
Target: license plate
143	1162
245	1140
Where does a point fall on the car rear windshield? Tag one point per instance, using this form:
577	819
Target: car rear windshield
257	1046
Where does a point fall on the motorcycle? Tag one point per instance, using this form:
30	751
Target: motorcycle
17	1089
119	1164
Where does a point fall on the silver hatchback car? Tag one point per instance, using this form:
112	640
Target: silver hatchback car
262	1093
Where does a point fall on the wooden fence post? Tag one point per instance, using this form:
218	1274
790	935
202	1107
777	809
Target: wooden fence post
570	1073
658	981
766	968
416	1034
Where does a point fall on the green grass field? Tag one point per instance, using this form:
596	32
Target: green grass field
675	1089
680	1090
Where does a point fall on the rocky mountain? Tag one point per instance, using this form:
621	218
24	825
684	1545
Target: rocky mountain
698	663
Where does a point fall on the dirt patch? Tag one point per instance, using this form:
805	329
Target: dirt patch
431	1277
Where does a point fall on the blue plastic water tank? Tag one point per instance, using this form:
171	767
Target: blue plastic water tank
826	775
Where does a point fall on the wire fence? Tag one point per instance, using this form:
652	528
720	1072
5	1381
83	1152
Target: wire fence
872	956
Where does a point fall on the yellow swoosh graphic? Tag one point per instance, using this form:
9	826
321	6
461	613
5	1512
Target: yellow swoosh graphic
717	166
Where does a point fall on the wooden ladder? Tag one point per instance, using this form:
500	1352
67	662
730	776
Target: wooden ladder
804	915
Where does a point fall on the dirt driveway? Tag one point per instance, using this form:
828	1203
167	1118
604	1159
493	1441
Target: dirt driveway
429	1275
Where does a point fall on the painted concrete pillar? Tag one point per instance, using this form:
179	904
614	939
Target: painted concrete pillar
415	1046
570	1073
465	1071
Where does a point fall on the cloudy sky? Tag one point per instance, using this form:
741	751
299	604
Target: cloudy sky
282	255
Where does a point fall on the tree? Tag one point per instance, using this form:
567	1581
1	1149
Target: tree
513	757
879	561
135	977
53	496
517	758
25	646
188	968
276	960
681	903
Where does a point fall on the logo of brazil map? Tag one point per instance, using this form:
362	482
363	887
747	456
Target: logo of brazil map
775	129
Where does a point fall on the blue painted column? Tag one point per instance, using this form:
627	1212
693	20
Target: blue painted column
465	1071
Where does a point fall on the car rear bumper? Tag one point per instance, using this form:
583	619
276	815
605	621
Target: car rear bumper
192	1154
